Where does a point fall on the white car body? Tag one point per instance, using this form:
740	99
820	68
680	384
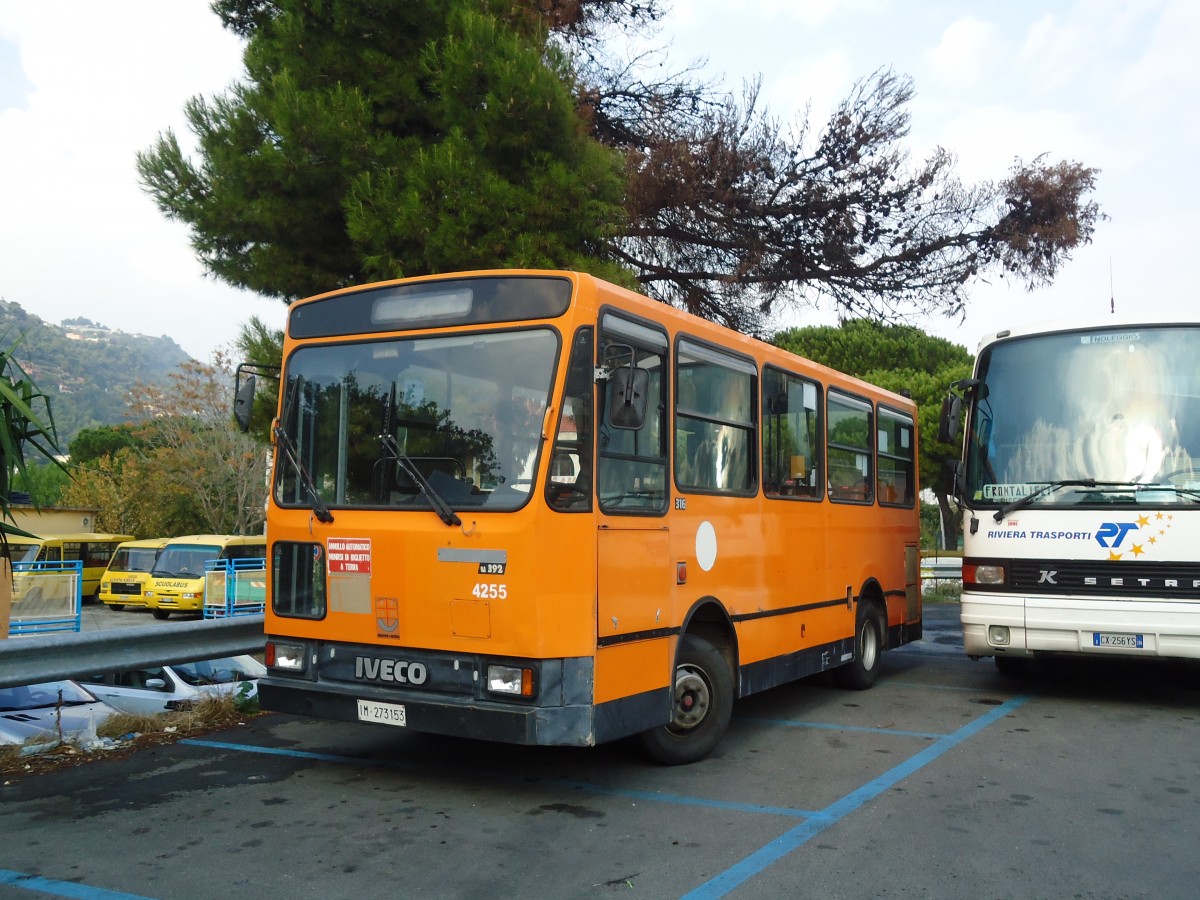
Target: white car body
46	713
157	689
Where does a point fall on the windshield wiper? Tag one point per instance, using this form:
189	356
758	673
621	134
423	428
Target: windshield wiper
1136	486
1191	493
390	444
440	506
1045	489
293	456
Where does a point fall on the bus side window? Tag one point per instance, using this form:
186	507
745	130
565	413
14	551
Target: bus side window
894	454
714	420
850	439
792	458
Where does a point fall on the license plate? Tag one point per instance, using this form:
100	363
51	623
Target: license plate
382	713
1108	639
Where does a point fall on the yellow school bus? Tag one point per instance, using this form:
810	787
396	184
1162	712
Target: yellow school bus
93	550
176	583
534	507
124	581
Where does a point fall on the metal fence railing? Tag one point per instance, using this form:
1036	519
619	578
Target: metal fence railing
46	597
941	570
234	587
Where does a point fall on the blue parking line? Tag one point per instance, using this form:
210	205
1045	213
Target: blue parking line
25	881
767	855
587	787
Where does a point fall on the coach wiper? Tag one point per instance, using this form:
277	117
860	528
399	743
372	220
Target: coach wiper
1048	488
440	506
289	450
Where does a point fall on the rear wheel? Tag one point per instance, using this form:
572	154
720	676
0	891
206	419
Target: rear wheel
860	673
701	707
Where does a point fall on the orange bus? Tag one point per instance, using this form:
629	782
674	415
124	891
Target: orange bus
534	507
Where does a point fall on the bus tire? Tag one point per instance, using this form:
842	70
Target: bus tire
116	606
162	614
701	706
862	671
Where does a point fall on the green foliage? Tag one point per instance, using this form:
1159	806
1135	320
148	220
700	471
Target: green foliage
258	343
44	482
89	378
931	528
180	467
944	592
90	444
377	139
21	428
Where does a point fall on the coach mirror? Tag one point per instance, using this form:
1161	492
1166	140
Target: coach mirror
951	418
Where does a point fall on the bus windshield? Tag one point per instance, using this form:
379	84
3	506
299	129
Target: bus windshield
133	559
23	552
431	422
1087	417
184	559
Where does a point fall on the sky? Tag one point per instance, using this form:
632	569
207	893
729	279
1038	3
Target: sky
1107	83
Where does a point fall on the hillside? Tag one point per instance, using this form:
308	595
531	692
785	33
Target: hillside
85	368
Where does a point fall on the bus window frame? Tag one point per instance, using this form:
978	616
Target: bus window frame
819	465
853	402
721	357
883	409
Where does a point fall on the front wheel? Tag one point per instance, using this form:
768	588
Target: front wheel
117	607
701	706
162	614
862	672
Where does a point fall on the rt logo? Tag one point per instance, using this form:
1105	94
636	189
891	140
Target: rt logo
1111	534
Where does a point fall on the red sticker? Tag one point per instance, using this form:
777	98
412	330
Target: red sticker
349	555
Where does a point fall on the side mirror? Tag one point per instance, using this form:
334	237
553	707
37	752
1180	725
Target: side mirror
951	419
243	401
627	398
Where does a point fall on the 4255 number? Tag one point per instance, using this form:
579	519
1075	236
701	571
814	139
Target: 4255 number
490	591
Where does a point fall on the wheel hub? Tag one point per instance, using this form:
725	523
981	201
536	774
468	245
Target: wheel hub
692	699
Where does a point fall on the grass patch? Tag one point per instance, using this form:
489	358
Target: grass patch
125	733
943	592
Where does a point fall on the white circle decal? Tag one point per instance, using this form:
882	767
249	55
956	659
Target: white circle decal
706	545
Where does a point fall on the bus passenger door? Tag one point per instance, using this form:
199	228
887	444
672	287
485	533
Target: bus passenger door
635	574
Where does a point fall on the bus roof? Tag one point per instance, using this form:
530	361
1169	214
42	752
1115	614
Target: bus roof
80	536
147	542
220	540
593	291
1083	323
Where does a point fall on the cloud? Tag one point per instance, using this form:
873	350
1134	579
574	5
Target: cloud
819	82
80	235
967	48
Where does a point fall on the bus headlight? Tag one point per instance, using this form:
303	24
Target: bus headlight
998	635
510	680
983	574
280	655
